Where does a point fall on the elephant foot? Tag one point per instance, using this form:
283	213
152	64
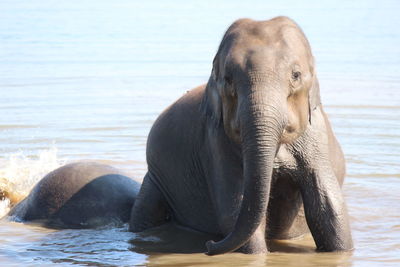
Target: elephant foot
256	244
253	248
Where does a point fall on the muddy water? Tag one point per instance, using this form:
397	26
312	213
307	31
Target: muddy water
86	79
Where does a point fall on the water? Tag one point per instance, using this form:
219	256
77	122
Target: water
86	79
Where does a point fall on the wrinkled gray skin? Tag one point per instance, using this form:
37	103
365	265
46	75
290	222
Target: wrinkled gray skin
79	195
241	156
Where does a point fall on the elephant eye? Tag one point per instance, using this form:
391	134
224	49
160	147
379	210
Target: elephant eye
230	89
228	79
296	75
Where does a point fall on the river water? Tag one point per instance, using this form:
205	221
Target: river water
86	79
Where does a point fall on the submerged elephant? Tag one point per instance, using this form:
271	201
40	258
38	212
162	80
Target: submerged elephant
243	155
79	195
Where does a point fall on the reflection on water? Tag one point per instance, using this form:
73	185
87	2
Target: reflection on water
34	245
86	79
112	247
273	259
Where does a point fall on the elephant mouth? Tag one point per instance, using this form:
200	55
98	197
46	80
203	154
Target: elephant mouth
289	134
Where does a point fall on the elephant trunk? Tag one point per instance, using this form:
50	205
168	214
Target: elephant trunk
261	127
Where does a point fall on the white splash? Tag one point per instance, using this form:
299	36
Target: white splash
4	207
19	174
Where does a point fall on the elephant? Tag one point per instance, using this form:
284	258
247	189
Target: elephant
79	195
251	155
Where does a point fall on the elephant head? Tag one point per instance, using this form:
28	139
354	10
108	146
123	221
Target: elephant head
262	89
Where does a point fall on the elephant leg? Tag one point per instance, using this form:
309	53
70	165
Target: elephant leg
257	243
286	218
299	226
326	211
285	215
150	208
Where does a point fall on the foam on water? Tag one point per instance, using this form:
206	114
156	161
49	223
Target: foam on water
19	173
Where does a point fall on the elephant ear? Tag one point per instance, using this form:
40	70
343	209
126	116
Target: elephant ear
314	98
211	105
